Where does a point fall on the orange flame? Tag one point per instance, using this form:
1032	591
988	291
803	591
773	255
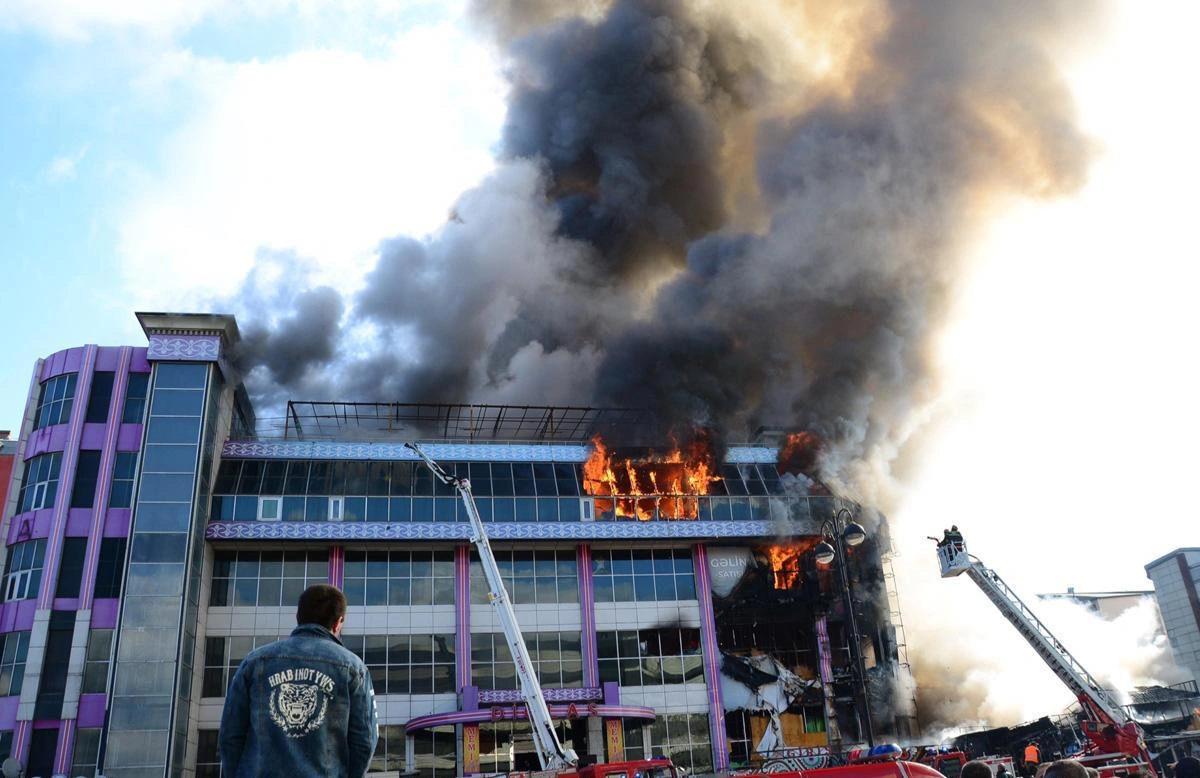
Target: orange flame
665	487
799	453
785	561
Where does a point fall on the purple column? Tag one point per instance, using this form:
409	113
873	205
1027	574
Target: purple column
587	616
104	485
462	614
712	659
66	480
337	566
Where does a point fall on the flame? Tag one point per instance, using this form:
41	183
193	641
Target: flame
665	486
784	559
799	453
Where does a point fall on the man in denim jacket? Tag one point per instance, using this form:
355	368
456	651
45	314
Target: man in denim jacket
303	706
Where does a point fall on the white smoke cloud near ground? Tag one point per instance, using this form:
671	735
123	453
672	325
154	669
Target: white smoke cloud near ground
737	218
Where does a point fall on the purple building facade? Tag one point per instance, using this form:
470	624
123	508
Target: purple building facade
154	537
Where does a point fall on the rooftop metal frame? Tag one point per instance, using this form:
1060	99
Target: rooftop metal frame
325	420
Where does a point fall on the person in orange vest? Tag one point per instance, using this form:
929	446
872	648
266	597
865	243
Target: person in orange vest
1033	756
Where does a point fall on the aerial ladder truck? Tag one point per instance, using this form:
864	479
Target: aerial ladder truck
551	753
1111	732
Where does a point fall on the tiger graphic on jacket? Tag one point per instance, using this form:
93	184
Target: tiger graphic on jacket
297	708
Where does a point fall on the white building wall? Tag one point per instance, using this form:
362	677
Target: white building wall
1179	615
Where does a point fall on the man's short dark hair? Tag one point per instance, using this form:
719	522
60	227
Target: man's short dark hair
976	769
321	604
1188	767
1092	772
1065	768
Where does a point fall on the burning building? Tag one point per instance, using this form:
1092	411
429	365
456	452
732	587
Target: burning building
670	592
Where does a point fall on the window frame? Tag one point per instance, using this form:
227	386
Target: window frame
41	478
56	400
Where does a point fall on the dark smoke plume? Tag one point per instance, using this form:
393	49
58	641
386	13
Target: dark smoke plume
736	217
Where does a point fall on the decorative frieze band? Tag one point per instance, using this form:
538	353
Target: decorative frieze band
457	452
461	531
184	348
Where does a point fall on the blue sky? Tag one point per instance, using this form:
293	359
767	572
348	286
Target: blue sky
148	151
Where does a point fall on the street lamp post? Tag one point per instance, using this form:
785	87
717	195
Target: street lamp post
837	536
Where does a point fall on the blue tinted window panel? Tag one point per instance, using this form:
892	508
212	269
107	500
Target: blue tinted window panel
246	509
354	509
163	517
174	429
316	509
159	547
401	509
154	579
166	487
377	509
547	509
445	509
180	376
171	459
177	402
525	509
293	508
422	509
503	509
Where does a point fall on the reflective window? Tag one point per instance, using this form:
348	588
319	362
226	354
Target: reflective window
400	491
124	470
530	577
557	658
70	567
87	751
435	751
389	752
54	402
95	668
14	646
100	397
134	409
685	738
650	657
644	575
23	572
110	567
265	578
407	664
221	659
87	472
56	660
181	375
208	754
40	482
399	577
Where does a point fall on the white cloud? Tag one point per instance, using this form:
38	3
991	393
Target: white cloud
64	168
322	152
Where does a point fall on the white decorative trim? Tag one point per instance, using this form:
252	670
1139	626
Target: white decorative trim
599	530
450	452
184	348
